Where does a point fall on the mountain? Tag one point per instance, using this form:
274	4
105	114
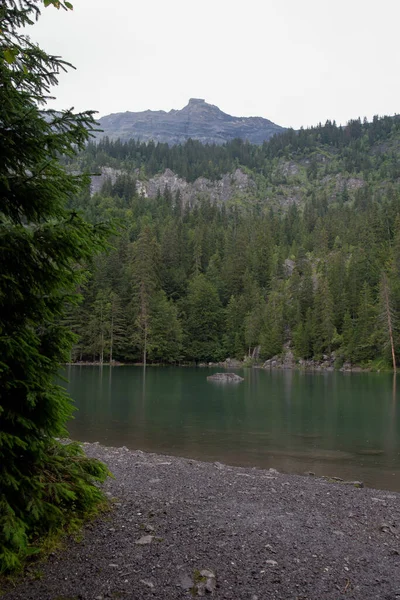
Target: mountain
198	120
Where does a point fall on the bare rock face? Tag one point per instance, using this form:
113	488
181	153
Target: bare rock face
230	185
225	377
97	181
198	120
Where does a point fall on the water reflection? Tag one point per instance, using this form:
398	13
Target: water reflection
329	423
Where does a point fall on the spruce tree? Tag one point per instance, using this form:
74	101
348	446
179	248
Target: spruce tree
203	320
44	485
165	343
364	331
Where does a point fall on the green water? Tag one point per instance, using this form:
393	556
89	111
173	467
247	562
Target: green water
336	424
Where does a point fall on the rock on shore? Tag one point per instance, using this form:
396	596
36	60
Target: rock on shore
180	529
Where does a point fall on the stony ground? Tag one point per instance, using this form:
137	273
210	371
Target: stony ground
181	529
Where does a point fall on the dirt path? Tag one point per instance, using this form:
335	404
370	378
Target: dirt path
182	528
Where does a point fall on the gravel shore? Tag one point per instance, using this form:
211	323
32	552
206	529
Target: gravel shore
180	528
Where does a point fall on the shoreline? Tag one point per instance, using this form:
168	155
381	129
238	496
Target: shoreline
300	367
182	528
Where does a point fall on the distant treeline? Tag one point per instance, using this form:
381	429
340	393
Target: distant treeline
193	159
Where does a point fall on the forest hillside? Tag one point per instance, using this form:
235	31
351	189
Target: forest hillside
240	250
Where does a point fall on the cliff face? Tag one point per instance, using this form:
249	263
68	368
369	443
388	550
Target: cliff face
237	184
198	120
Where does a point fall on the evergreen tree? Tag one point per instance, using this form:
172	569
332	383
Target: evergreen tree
202	321
303	337
145	282
323	317
253	326
387	318
272	333
348	338
234	344
165	341
365	326
99	326
44	485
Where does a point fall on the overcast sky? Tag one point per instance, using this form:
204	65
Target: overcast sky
295	62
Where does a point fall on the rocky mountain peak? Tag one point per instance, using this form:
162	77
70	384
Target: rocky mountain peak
196	101
197	120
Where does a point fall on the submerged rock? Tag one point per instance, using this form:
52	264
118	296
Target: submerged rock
228	377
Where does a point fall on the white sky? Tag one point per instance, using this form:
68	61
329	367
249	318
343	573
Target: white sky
296	62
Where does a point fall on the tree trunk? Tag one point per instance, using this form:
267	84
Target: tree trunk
386	300
102	335
145	346
111	338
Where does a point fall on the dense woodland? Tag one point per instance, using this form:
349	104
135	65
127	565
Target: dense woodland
307	260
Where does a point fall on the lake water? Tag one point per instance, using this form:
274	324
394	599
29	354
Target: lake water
335	424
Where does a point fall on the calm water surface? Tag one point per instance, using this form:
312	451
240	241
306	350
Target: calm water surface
330	423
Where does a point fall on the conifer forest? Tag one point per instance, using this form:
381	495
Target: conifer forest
306	259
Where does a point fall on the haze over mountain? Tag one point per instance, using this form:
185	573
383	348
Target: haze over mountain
198	120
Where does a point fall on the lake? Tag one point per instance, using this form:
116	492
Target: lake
334	424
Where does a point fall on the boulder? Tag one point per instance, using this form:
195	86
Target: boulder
225	377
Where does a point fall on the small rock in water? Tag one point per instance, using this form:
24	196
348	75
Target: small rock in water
146	539
227	377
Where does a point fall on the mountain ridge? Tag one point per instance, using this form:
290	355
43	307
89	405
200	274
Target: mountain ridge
197	120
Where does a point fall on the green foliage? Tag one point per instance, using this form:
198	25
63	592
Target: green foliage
272	336
165	344
44	485
203	321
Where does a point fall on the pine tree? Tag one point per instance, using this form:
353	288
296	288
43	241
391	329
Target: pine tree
99	326
272	333
234	344
365	325
253	326
387	318
145	282
303	337
203	318
348	338
117	329
324	328
44	485
165	341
